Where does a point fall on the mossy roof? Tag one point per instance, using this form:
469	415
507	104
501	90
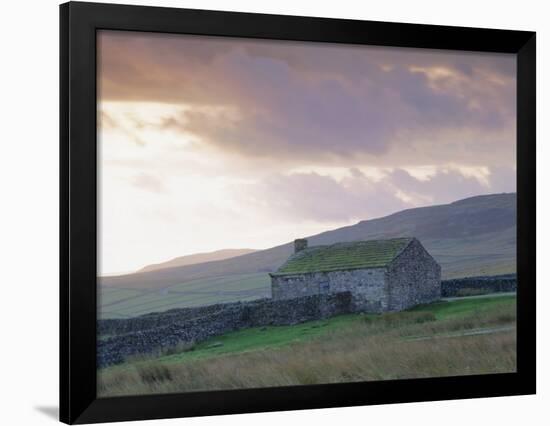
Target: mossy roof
344	256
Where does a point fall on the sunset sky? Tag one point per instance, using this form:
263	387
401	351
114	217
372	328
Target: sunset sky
208	143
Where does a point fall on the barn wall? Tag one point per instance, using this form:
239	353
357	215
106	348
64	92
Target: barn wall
292	286
366	285
414	277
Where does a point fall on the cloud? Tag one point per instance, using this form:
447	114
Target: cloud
148	182
436	188
322	198
257	141
294	101
313	197
503	179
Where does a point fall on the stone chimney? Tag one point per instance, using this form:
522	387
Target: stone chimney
300	244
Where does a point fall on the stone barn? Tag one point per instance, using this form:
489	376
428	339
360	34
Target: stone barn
381	275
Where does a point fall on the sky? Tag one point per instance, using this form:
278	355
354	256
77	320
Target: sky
208	143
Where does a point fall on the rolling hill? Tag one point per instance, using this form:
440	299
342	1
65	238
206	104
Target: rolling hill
193	259
470	237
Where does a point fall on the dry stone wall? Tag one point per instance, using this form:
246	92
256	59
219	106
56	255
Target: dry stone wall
118	339
488	284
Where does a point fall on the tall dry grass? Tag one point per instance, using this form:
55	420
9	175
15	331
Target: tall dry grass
380	349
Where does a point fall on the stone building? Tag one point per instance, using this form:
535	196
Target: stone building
381	275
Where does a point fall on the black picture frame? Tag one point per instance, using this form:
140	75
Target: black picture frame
78	211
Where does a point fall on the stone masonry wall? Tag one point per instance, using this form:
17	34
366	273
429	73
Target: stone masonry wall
414	277
489	284
366	285
292	286
118	339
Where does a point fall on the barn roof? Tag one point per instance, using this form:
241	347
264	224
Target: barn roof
344	256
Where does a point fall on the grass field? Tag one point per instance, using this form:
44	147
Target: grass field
474	255
125	302
465	336
487	254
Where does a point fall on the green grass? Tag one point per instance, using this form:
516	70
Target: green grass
261	338
124	303
444	310
254	339
264	338
429	341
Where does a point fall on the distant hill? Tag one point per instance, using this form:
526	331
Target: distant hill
474	236
193	259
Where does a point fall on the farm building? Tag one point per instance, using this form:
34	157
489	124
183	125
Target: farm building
381	275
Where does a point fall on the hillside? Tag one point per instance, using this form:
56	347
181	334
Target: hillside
474	236
471	237
473	335
197	258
